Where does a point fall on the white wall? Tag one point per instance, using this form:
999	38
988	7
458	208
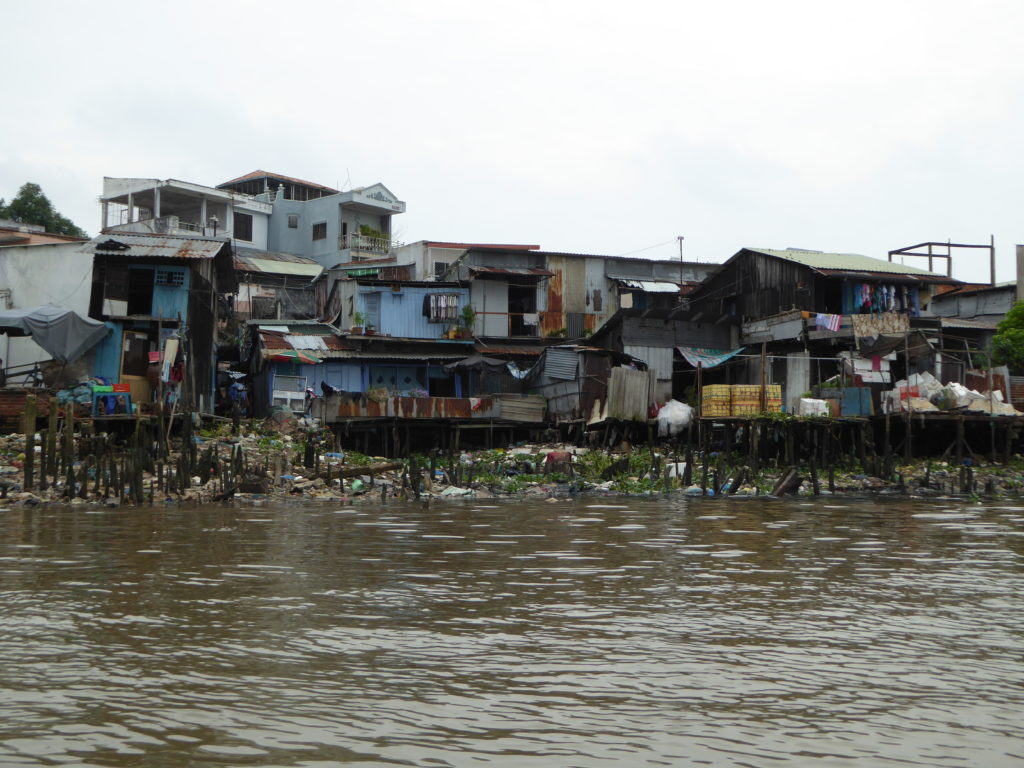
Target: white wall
260	222
50	273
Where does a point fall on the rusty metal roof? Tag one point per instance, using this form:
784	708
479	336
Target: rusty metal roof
486	349
140	246
249	260
323	344
520	271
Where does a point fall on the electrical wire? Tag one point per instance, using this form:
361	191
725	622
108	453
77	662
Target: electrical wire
648	248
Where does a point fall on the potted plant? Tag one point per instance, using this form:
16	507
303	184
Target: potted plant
358	320
467	318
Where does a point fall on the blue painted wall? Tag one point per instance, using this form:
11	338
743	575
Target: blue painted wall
107	360
338	374
401	312
300	239
172	302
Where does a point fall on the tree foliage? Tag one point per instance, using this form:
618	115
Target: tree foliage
1008	343
31	206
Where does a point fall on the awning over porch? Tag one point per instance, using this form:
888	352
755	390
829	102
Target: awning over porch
64	333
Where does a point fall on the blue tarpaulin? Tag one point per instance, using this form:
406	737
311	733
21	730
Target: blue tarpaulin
706	356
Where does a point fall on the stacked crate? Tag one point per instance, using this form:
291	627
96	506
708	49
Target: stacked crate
746	399
716	401
721	400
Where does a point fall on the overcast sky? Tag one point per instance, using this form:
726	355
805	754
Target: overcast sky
579	126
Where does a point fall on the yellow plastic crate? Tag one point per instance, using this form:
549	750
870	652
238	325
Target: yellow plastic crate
715	410
716	390
746	409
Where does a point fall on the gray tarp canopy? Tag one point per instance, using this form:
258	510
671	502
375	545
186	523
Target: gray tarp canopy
64	333
477	363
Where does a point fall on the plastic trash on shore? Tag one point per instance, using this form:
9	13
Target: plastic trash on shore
996	407
676	469
927	386
673	418
453	490
955	395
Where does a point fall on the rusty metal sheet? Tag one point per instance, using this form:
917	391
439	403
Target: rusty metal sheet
410	408
136	245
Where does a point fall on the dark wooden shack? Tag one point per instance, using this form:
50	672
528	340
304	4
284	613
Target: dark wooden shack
758	282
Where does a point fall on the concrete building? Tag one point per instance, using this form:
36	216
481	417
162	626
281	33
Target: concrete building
322	223
522	292
39	268
261	211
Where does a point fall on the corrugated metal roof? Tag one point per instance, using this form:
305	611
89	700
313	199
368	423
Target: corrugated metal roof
307	342
650	286
298	327
267	264
533	271
479	246
136	245
487	349
454	355
244	255
967	290
962	322
852	262
561	363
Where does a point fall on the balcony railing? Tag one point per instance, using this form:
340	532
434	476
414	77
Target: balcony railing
381	245
165	225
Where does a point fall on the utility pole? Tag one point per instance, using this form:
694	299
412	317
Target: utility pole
680	238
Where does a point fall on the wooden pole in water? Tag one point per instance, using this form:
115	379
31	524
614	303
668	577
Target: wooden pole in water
762	401
910	408
700	404
960	441
30	441
51	441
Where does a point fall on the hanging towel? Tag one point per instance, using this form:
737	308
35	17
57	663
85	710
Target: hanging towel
828	322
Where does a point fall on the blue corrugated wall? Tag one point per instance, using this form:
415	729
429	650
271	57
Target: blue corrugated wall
401	312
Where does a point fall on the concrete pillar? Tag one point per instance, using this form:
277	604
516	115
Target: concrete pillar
131	208
1020	273
229	220
202	214
104	206
156	202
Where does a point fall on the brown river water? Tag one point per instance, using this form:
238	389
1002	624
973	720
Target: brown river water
583	633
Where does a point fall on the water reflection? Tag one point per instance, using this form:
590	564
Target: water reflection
631	633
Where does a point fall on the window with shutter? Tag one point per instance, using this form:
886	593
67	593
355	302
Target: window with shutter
243	227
